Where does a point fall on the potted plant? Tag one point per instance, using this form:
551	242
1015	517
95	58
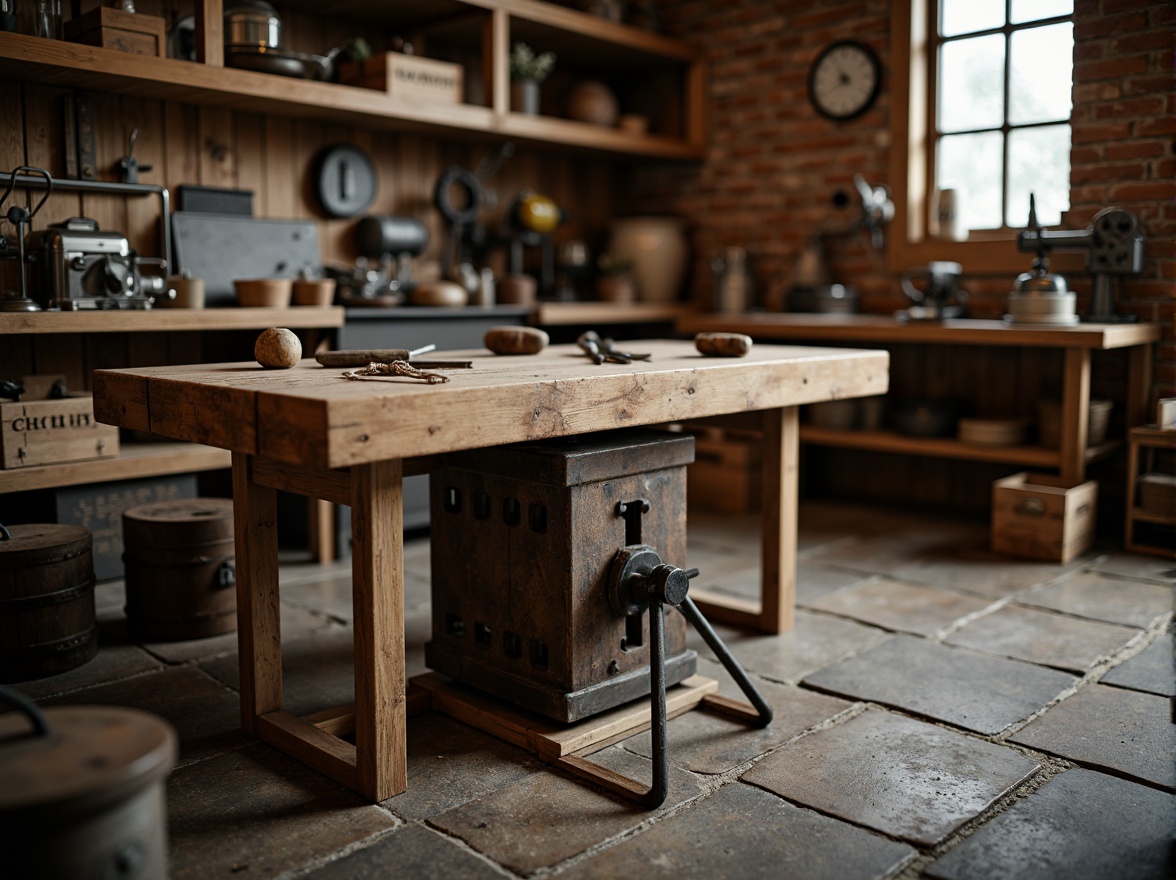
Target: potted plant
527	70
614	282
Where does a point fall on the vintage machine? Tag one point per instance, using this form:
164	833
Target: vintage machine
546	557
79	266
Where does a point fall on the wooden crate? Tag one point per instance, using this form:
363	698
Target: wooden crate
111	28
1042	517
726	475
38	432
407	77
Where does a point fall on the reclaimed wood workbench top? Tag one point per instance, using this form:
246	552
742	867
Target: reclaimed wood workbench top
310	430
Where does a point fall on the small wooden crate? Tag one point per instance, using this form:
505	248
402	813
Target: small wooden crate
407	77
727	473
1041	517
110	28
37	432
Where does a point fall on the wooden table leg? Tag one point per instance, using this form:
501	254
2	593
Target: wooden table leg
781	478
1075	421
259	637
1139	374
377	572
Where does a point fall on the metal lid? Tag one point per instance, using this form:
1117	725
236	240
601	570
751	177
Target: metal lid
91	756
1034	283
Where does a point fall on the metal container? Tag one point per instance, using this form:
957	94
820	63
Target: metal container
81	792
252	26
46	601
180	572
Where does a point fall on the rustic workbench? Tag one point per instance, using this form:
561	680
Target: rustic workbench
310	431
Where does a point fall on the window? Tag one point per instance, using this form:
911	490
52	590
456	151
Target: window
988	85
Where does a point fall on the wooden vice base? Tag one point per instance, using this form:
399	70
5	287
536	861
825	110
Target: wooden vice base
565	747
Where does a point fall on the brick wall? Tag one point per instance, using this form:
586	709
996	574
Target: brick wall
774	166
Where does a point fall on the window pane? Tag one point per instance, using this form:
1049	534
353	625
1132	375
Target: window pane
1039	163
968	16
971	165
1042	67
971	78
1032	10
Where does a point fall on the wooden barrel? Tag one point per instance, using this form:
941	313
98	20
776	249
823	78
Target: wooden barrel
181	583
46	601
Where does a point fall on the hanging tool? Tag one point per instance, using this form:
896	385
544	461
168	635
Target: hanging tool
363	357
128	165
21	217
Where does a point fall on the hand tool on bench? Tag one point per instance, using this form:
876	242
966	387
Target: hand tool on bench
363	357
604	350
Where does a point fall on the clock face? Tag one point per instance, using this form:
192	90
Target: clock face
844	80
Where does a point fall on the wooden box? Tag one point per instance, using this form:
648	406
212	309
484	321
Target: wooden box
523	541
1041	517
407	77
38	432
111	28
727	474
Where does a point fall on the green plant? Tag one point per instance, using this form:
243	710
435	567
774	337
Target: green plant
525	64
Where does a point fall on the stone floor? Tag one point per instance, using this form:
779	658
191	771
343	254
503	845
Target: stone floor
940	712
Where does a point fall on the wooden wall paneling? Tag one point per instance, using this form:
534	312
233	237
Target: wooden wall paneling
385	155
249	130
337	235
309	138
181	146
105	351
142	229
147	349
16	356
60	353
185	347
218	153
44	148
12	155
416	172
112	136
280	193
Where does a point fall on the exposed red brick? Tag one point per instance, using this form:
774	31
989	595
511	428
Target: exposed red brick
1156	191
1153	127
1086	134
1111	68
1133	149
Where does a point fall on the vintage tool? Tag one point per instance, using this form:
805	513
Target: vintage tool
546	557
940	296
386	245
363	357
128	165
21	217
533	218
515	340
1114	249
605	350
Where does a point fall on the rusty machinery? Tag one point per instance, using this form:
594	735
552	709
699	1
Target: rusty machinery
546	557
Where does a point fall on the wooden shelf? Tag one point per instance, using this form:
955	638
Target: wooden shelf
945	447
158	320
59	63
1140	515
881	328
588	313
134	460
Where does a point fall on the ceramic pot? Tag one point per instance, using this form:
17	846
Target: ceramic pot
524	96
593	102
616	288
657	248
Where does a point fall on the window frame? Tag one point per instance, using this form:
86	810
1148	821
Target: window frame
908	242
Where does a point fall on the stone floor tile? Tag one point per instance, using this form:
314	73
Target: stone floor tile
903	777
1138	566
743	833
264	815
413	852
1152	670
295	622
1097	596
814	581
976	569
332	595
817	640
885	553
1080	825
450	763
1043	637
893	604
110	597
112	662
547	818
206	715
704	742
974	691
1128	732
318	670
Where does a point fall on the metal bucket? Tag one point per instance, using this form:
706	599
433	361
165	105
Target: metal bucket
180	576
81	792
46	601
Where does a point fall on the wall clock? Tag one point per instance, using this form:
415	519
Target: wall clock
844	80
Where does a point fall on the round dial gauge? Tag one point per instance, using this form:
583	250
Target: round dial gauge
844	80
